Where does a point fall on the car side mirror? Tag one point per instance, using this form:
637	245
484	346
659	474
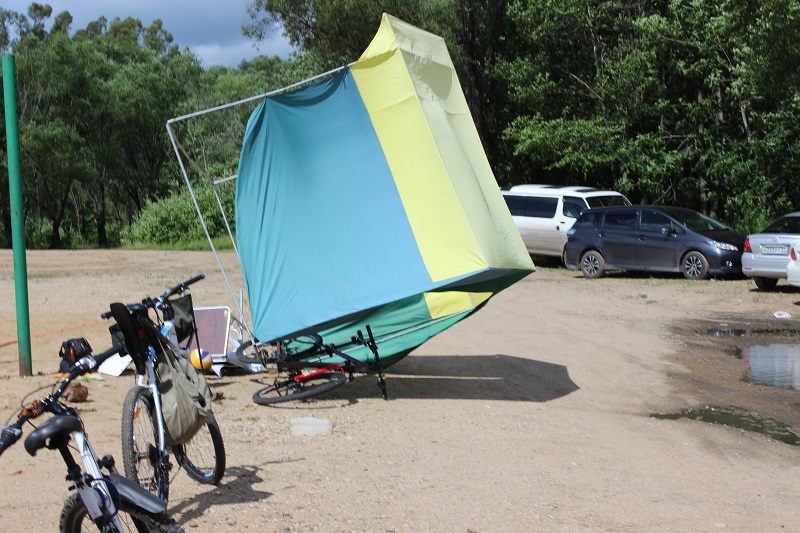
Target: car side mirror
667	231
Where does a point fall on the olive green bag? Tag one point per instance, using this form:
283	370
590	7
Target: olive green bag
185	395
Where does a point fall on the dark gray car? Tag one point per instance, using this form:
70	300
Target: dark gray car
656	238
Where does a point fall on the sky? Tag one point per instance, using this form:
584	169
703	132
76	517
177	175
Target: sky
211	29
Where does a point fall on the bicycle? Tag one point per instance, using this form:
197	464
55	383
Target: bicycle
110	501
146	450
302	373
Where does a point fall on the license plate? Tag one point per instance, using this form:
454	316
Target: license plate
779	249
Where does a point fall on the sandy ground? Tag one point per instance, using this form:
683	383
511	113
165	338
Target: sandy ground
532	415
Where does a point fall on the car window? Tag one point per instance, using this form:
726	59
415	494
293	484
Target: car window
540	207
620	220
655	222
607	201
515	204
698	222
573	207
784	225
588	219
531	206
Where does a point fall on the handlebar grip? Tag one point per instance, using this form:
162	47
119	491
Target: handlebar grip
101	357
195	279
9	436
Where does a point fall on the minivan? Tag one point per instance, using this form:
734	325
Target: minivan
544	213
656	238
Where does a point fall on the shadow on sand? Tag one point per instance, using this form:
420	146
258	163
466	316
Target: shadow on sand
458	377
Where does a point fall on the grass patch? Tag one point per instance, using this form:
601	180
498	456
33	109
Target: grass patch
220	243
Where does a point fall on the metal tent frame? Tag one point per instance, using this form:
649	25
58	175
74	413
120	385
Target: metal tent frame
180	153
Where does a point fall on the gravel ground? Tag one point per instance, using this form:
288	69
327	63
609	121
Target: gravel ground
532	415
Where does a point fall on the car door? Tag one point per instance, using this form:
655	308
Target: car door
619	237
657	246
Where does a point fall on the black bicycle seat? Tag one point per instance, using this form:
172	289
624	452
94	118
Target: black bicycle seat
58	427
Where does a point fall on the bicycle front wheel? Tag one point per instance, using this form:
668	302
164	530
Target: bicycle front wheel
289	389
140	453
203	457
75	518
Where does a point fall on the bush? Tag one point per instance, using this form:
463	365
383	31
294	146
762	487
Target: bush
174	220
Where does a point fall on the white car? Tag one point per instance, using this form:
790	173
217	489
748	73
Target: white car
544	213
793	266
766	253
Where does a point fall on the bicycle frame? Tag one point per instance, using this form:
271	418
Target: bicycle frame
101	495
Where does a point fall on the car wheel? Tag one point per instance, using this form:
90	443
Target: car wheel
766	284
593	265
694	266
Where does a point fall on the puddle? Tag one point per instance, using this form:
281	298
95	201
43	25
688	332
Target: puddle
774	365
738	418
749	332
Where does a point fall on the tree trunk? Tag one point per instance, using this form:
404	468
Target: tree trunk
100	215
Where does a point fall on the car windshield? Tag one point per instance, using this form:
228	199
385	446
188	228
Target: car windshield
698	222
784	225
607	201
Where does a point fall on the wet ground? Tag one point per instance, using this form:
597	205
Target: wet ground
742	371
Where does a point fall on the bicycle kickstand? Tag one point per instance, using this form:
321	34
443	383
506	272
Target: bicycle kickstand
373	346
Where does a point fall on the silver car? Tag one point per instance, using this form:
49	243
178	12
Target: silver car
766	253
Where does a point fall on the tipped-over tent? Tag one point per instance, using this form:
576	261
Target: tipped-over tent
367	198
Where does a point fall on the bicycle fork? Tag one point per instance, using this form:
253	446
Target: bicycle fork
94	489
370	343
161	464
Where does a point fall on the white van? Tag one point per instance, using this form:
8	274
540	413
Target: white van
544	213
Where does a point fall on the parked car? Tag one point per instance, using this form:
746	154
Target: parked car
657	238
766	253
793	265
544	213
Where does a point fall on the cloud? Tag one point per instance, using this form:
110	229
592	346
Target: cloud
211	29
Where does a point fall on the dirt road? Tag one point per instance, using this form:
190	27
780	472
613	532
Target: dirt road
532	415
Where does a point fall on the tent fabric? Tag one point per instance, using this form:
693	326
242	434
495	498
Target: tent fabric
367	198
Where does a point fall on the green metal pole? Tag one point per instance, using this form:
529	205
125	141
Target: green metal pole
17	218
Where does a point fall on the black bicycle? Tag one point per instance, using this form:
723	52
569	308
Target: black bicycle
109	501
307	367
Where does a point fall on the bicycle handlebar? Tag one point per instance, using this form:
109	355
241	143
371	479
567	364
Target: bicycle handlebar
11	434
155	303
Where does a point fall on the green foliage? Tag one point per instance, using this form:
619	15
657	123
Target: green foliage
174	220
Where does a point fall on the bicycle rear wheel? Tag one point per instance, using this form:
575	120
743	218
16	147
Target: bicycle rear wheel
203	457
289	389
140	454
75	518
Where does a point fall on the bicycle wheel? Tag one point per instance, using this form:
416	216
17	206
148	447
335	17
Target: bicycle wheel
75	518
203	457
249	354
289	389
140	455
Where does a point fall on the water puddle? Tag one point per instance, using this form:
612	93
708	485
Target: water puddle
738	418
749	332
773	365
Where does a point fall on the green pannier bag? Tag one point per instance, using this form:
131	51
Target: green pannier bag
185	395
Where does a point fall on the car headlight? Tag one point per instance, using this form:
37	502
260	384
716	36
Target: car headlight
723	246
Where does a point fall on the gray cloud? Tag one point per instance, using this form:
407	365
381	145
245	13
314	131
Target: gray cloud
210	28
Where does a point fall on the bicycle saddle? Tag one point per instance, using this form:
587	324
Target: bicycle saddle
58	428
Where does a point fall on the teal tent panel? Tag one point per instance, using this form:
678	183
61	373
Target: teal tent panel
399	328
315	202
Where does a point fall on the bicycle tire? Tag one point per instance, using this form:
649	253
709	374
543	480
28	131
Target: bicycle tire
288	390
140	443
75	518
203	457
248	354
